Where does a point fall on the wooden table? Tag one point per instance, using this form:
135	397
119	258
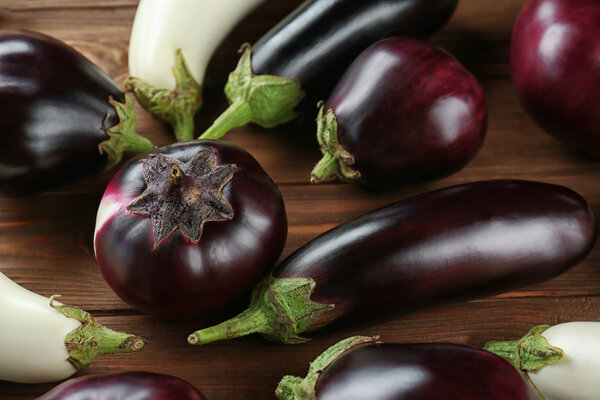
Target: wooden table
46	240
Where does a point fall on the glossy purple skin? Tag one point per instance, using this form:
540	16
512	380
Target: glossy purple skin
408	111
180	278
463	242
320	38
124	386
428	371
53	103
555	65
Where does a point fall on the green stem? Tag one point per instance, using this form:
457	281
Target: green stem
176	107
280	309
237	114
529	353
266	100
509	350
183	126
336	160
91	340
248	322
325	169
295	388
122	137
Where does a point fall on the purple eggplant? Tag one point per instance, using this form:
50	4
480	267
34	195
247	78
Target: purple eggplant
124	386
404	111
188	228
462	242
359	368
310	49
554	63
62	118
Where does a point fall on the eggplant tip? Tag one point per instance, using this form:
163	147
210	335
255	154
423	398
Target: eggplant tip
193	339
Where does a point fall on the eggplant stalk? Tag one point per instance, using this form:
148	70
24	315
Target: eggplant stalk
266	100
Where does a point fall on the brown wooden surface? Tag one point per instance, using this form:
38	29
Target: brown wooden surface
46	240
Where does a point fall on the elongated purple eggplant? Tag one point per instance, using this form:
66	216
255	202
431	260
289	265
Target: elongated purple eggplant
359	368
124	386
61	117
310	49
462	242
404	111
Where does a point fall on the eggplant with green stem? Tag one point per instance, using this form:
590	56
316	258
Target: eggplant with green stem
42	340
463	242
404	111
562	361
361	368
61	117
310	49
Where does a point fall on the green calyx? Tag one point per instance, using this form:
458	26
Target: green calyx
91	340
336	161
176	107
280	309
295	388
529	353
122	136
266	100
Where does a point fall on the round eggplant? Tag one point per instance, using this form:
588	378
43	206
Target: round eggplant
188	228
310	49
463	242
62	118
358	368
124	386
554	67
404	111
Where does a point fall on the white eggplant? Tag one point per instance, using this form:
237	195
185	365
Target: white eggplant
562	361
42	340
171	43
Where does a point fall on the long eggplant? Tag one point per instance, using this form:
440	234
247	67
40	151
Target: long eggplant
61	117
462	242
359	368
310	49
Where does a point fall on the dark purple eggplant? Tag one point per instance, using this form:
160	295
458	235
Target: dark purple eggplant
124	386
188	228
62	118
554	60
462	242
359	368
404	111
310	49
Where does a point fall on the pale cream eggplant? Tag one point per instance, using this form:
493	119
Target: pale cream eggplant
43	340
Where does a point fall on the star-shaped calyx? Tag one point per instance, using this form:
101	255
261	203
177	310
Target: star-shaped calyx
183	195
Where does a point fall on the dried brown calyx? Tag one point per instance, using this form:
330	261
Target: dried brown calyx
183	195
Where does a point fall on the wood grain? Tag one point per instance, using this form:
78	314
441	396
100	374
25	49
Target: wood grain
46	240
